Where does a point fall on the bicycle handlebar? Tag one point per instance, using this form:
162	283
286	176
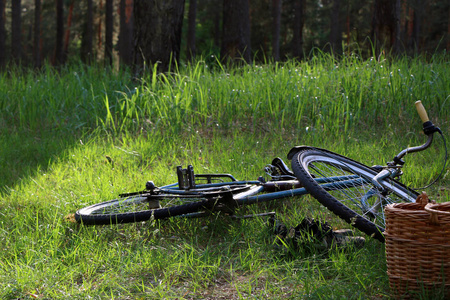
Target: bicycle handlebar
422	112
428	129
428	126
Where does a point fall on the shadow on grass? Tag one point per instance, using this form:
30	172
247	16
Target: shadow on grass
23	153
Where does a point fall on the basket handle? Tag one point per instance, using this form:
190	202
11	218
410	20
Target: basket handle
422	199
434	213
426	203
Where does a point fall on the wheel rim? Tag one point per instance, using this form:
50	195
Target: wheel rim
136	204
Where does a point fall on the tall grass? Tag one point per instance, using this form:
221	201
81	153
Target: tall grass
72	97
323	93
58	127
326	94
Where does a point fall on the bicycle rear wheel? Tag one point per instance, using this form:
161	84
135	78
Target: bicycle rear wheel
344	186
140	207
168	202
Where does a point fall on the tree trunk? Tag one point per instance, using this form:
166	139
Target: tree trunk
109	26
126	31
347	26
416	27
374	31
16	34
157	33
384	30
217	15
335	30
448	31
299	21
99	29
37	34
409	28
192	15
2	34
397	27
87	37
58	59
67	34
236	31
276	14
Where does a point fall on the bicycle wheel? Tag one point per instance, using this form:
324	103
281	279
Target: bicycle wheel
344	186
139	208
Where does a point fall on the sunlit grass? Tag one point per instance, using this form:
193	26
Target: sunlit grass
57	129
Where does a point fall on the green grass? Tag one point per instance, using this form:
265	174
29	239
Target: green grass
58	127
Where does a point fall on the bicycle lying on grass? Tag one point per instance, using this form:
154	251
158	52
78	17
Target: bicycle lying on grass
353	191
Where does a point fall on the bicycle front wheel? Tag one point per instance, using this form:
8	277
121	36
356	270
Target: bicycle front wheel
137	208
345	187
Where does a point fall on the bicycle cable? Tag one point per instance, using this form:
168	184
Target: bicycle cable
443	168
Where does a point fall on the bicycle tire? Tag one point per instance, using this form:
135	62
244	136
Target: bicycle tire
136	209
348	202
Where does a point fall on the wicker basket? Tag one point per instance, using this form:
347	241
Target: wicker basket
418	247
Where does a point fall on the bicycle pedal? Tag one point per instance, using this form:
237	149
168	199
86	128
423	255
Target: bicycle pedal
153	204
186	177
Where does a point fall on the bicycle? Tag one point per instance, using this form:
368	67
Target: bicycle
361	201
353	191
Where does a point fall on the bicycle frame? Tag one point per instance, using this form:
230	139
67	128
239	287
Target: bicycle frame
259	191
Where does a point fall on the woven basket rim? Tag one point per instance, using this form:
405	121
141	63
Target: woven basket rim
444	206
406	206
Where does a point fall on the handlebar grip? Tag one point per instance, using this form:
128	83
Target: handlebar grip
422	112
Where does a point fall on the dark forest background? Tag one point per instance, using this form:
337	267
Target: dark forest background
33	32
